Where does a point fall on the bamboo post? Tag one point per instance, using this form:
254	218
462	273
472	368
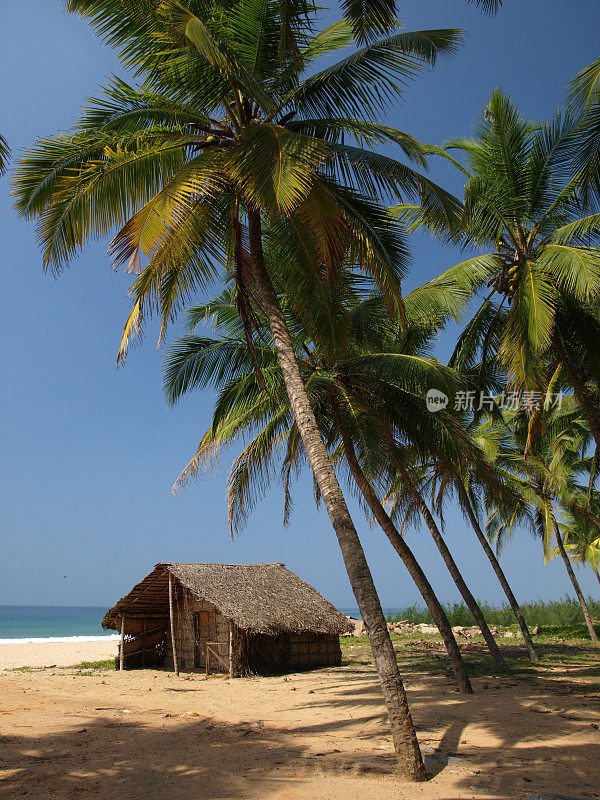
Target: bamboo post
122	645
172	621
230	649
207	660
144	642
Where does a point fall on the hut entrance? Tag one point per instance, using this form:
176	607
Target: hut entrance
210	653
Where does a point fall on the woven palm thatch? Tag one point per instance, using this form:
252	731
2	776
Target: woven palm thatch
257	598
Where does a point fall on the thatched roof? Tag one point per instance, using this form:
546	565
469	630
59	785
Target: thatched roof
260	598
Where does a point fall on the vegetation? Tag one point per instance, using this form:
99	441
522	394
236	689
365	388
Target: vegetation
86	666
553	614
335	384
380	15
568	662
107	663
4	154
245	155
230	142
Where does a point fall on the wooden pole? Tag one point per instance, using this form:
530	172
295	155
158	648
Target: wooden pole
230	649
144	643
172	620
122	645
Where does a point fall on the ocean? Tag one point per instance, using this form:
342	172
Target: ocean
52	624
66	623
354	612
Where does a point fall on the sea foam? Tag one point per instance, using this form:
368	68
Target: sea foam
35	640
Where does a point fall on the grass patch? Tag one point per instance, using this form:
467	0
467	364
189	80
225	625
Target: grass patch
107	663
564	634
567	657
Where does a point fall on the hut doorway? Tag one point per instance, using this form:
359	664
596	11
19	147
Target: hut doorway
210	653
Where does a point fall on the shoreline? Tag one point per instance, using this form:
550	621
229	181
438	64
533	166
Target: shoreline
56	653
111	637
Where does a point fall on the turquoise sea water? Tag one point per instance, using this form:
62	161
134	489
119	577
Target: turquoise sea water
354	612
51	622
67	622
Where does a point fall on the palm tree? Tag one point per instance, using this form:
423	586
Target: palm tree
221	361
406	497
524	203
479	481
582	544
224	138
580	532
546	478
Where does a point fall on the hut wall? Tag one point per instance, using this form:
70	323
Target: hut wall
314	650
260	654
197	622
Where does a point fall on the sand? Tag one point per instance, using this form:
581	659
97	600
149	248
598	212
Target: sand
59	654
70	734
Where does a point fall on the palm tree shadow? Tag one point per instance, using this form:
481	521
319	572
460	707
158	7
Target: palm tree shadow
523	730
114	758
109	758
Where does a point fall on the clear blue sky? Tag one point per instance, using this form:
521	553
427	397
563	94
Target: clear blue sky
90	452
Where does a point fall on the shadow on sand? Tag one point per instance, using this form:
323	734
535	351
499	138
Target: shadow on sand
522	722
110	758
514	753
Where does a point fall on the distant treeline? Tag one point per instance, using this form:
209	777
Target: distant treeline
553	612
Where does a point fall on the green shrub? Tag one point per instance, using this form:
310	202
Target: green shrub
539	612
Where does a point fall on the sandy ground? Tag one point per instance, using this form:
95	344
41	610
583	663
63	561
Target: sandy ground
54	654
130	736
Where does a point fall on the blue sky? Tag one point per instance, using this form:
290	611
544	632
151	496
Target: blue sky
90	452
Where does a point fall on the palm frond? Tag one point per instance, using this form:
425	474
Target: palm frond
274	167
584	89
4	154
365	82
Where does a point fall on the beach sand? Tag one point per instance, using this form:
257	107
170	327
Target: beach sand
131	735
59	654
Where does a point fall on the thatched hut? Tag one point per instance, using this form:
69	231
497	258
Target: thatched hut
237	618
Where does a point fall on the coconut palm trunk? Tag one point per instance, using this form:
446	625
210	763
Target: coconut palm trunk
512	600
575	582
410	562
453	569
404	736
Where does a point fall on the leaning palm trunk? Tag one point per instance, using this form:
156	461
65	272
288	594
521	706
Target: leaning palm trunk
403	731
575	582
512	600
410	562
458	579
